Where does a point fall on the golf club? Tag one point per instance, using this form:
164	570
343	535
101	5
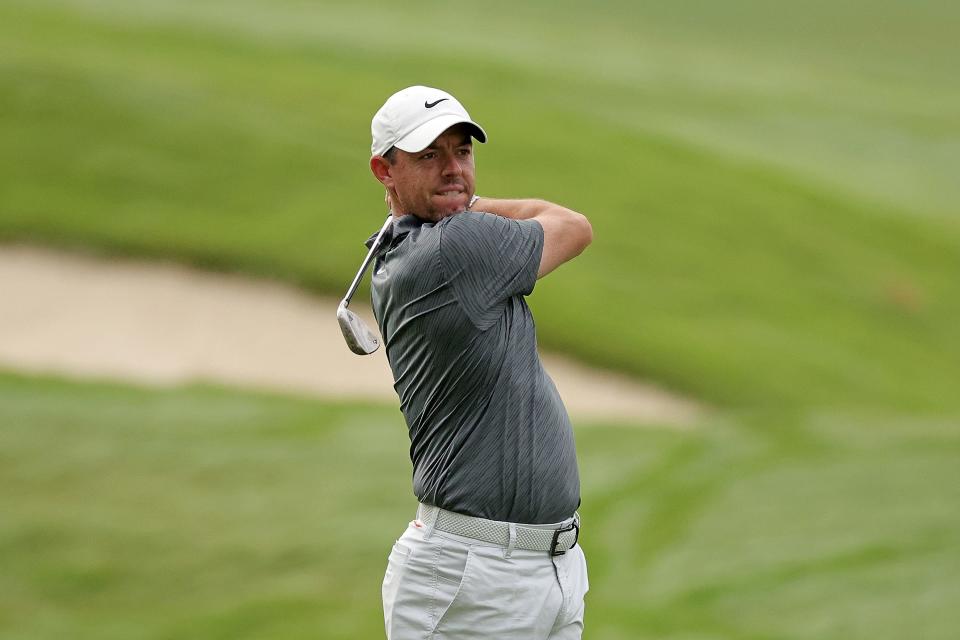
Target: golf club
358	335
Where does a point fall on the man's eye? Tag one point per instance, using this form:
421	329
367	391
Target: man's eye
428	156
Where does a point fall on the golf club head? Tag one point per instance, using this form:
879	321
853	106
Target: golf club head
358	335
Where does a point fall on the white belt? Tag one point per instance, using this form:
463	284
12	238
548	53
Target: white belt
554	539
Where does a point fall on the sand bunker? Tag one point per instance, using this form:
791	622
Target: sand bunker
162	324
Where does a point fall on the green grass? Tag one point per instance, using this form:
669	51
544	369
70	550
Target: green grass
773	189
772	185
205	513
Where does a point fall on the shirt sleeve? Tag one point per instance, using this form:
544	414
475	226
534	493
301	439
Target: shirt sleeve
489	259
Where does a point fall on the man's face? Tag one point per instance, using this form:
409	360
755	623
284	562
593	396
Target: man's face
436	182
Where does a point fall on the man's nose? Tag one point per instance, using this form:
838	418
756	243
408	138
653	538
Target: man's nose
452	166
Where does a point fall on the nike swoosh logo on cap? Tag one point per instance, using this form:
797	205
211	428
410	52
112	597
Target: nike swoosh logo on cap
431	105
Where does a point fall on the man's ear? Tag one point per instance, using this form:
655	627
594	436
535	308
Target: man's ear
380	167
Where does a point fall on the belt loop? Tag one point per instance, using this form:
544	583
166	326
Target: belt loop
428	516
512	540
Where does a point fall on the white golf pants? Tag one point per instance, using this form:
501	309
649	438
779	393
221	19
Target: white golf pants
443	586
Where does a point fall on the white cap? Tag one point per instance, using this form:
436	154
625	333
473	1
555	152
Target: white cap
414	117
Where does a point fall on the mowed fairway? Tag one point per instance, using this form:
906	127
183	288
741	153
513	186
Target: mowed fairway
201	513
773	188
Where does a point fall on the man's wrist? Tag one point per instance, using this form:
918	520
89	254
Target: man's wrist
473	201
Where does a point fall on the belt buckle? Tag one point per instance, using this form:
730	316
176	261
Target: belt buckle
574	526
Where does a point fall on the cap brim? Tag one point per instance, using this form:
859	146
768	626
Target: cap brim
421	137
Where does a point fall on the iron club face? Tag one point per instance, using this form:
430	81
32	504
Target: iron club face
361	340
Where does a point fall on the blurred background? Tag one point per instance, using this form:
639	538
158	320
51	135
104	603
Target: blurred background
774	193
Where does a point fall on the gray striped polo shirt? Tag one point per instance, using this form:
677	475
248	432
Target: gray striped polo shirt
489	435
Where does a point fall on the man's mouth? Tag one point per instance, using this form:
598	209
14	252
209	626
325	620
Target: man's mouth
451	191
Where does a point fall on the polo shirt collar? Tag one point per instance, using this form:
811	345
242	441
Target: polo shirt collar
400	228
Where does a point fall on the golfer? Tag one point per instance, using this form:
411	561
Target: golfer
493	550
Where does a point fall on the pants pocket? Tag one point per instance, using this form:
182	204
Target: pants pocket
451	573
396	564
572	575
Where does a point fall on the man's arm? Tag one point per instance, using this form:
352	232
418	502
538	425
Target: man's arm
566	233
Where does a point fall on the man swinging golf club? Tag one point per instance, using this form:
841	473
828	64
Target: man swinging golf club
493	550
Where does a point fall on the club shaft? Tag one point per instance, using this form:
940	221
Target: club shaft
366	261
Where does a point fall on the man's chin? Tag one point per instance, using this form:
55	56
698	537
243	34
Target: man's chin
454	203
